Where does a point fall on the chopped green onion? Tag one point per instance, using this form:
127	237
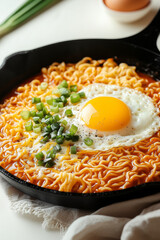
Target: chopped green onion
49	100
49	163
60	131
44	134
73	149
55	126
73	129
54	134
58	148
64	92
63	84
51	154
56	118
33	113
24	12
40	106
64	122
75	98
49	120
37	128
88	141
43	86
39	156
73	88
68	136
60	139
75	138
45	111
57	100
25	115
69	113
36	119
40	114
36	100
82	94
63	99
47	129
48	116
54	109
40	163
60	105
29	126
45	139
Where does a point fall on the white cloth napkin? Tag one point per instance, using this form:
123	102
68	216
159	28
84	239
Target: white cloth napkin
135	219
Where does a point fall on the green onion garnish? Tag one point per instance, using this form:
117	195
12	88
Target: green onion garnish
60	131
82	94
40	106
63	84
40	114
45	111
33	113
73	129
73	149
36	100
64	122
51	154
25	115
55	126
48	120
63	99
45	139
60	139
88	141
39	156
75	98
54	134
54	109
75	138
36	119
56	118
73	88
41	163
37	128
29	126
23	13
58	148
43	86
68	113
60	105
49	100
47	129
64	92
49	163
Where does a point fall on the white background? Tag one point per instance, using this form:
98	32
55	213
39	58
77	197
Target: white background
68	19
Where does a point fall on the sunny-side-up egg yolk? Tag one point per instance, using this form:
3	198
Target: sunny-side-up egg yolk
106	114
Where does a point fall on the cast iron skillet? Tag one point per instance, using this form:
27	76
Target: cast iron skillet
139	50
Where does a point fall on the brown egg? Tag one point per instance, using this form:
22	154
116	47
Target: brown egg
126	5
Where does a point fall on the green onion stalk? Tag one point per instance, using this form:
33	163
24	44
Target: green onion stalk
25	12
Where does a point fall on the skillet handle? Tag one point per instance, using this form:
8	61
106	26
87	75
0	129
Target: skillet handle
148	37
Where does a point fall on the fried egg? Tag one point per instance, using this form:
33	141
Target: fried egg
113	116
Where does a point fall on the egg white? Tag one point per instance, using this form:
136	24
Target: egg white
144	121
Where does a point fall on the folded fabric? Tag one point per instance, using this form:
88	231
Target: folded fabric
135	219
53	217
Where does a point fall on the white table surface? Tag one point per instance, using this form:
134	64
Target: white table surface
68	19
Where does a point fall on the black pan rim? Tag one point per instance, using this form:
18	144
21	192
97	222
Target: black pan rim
122	40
